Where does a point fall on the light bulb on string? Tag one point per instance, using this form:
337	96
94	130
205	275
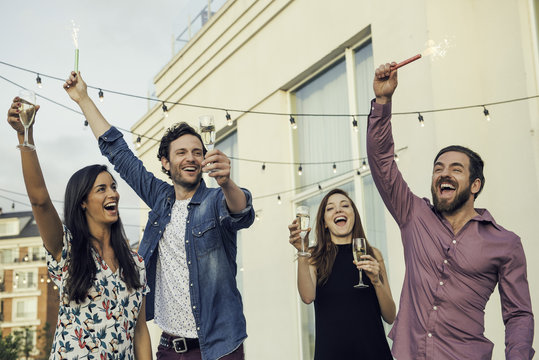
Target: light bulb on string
229	121
300	170
12	206
354	124
396	157
358	173
293	123
165	109
38	81
364	165
279	199
85	123
319	187
263	166
334	168
138	142
101	95
486	113
421	121
42	279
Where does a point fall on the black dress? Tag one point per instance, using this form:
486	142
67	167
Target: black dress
348	320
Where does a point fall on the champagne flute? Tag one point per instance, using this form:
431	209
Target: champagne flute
207	130
302	214
359	247
26	115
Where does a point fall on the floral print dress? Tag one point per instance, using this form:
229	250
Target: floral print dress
103	326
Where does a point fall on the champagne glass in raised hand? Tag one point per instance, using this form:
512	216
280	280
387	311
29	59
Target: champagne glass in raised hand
302	214
359	247
26	115
207	130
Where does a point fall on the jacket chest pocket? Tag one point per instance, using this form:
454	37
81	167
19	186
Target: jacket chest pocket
205	237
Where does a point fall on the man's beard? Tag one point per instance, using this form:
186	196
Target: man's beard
450	207
177	179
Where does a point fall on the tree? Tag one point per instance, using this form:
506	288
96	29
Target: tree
10	347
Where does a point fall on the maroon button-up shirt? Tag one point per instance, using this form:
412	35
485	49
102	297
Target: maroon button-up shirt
449	277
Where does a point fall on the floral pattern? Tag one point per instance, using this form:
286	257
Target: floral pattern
103	326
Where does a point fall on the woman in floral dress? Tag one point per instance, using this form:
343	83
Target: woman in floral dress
101	282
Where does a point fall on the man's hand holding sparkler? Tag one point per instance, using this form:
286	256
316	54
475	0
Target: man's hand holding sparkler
385	82
76	87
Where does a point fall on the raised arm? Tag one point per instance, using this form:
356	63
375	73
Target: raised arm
380	148
47	219
77	90
218	166
306	272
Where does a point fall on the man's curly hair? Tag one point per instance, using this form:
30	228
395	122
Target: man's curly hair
172	134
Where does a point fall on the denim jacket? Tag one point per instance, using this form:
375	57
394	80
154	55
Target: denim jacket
210	243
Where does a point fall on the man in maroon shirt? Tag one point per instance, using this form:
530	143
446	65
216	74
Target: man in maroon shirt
455	254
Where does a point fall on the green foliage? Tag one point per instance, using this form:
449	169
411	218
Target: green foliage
10	346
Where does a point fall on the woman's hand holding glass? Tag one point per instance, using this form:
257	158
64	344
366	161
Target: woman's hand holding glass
295	235
371	268
13	118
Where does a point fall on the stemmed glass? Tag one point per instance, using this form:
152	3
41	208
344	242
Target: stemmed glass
26	115
302	214
359	247
207	130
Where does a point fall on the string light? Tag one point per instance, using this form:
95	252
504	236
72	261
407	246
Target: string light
38	81
85	122
263	166
293	123
334	168
12	206
279	199
364	165
101	95
229	121
319	187
396	157
42	280
421	121
300	170
358	173
354	124
487	115
138	142
165	109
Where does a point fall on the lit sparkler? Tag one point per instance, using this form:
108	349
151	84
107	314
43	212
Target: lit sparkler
75	36
433	49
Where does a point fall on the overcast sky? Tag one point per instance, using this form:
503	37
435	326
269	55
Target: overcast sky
123	45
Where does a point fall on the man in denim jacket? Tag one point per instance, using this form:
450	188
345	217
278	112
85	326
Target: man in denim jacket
189	244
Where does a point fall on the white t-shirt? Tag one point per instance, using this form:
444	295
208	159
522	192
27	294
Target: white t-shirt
173	313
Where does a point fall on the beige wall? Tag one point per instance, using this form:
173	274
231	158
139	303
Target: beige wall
252	52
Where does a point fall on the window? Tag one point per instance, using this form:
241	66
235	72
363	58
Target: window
9	227
25	279
25	308
327	140
9	256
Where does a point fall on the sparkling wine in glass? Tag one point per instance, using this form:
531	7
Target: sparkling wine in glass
359	248
26	115
207	130
302	214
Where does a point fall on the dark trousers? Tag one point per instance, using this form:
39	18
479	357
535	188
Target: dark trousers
164	353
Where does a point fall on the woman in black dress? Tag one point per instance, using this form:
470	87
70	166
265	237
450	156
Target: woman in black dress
348	320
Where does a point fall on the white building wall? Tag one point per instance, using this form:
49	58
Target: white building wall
252	52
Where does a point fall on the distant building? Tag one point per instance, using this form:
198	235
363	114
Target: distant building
28	299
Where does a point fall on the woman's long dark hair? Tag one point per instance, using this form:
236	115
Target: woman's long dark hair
324	252
81	268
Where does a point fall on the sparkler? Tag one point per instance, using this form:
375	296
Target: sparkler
435	50
75	36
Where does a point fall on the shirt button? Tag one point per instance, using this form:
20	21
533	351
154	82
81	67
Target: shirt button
454	241
429	335
194	307
445	261
191	284
159	231
189	262
441	282
187	241
155	223
198	328
188	221
435	308
169	214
